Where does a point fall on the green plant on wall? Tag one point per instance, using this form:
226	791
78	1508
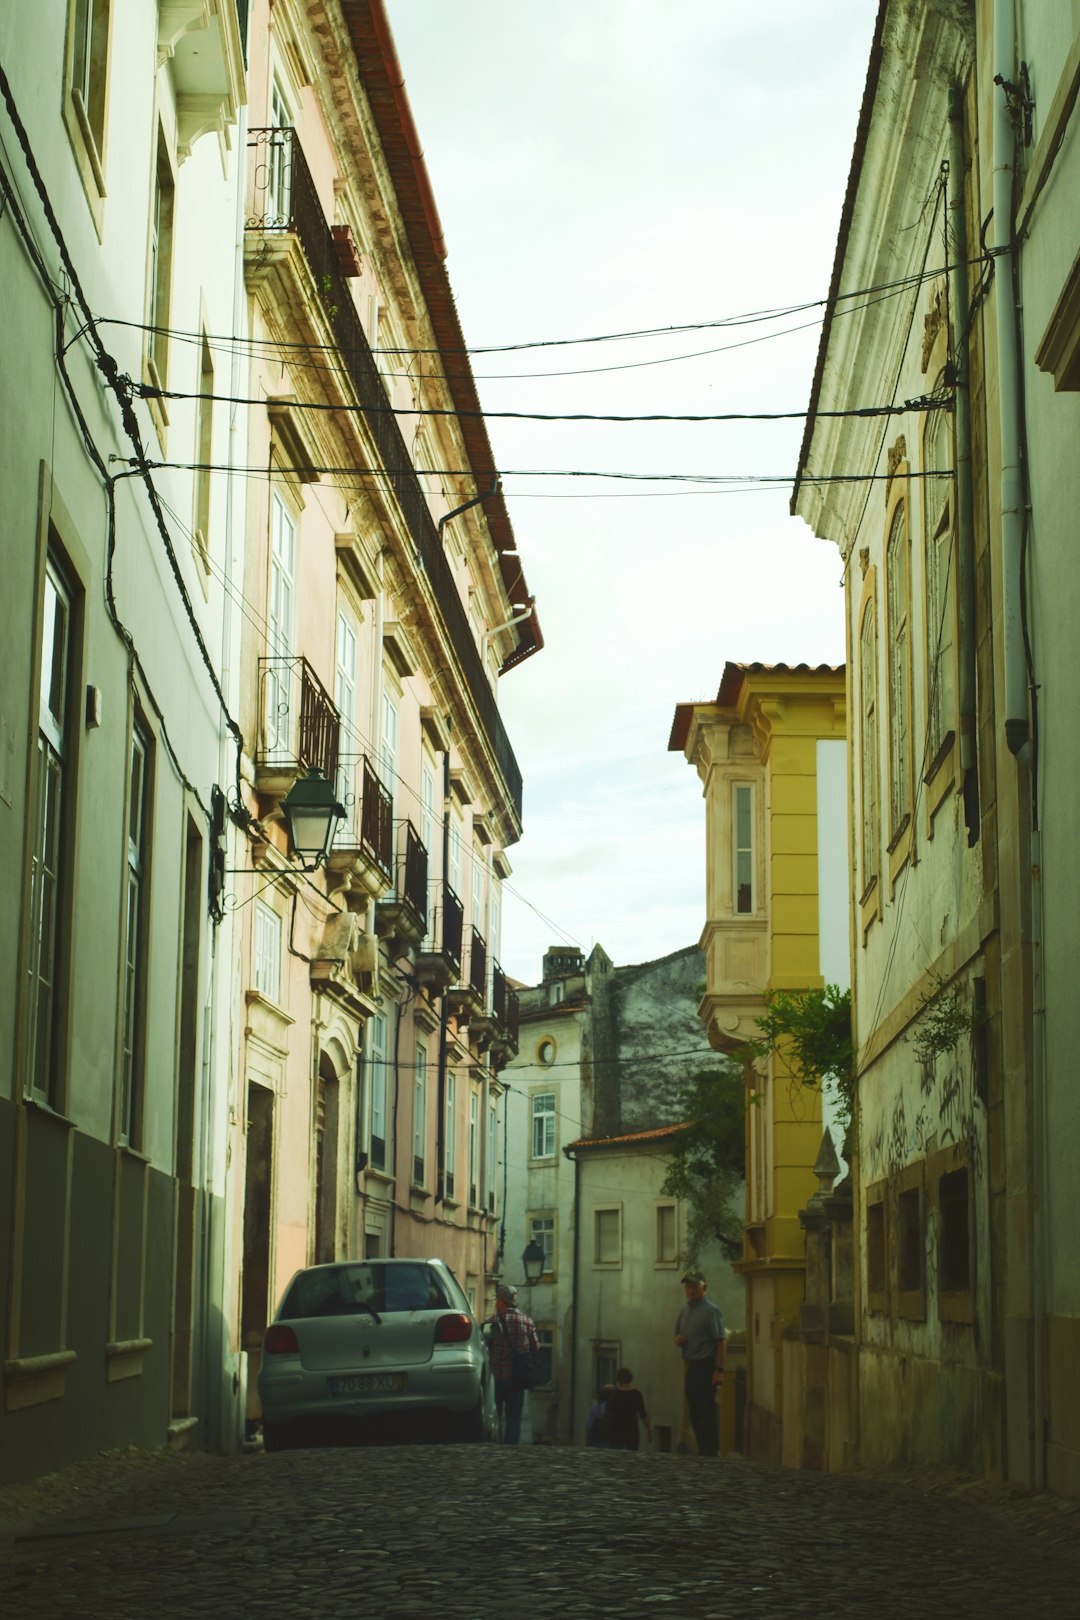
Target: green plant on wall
943	1020
708	1163
327	288
808	1033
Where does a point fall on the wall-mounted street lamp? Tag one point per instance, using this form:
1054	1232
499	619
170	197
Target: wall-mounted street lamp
533	1261
312	814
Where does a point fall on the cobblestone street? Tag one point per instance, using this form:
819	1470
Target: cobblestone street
486	1531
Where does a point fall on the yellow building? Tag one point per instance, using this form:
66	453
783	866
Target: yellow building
771	753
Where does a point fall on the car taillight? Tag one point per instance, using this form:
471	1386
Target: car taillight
280	1341
454	1329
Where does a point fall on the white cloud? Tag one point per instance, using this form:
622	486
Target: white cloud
603	167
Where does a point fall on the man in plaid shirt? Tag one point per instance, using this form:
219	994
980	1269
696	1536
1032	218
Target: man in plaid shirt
507	1327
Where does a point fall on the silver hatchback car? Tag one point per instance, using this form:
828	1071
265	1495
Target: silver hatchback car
374	1340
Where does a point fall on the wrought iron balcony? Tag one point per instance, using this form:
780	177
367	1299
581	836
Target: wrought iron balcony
282	199
300	725
404	911
365	840
438	962
505	1017
468	1000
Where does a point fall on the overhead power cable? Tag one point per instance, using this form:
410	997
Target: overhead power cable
727	322
303	474
923	403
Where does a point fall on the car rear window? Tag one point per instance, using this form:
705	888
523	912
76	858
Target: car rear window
341	1290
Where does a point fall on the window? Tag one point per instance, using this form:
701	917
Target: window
88	81
494	917
558	992
345	702
279	159
868	745
542	1231
910	1240
266	951
474	1149
455	857
419	1113
667	1234
877	1275
345	673
450	1135
742	845
954	1248
49	857
479	912
159	279
951	1171
204	454
607	1236
133	1029
545	1052
378	1092
388	747
896	568
607	1359
543	1125
492	1145
427	809
940	660
282	600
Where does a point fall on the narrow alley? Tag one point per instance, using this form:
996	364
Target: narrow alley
488	1531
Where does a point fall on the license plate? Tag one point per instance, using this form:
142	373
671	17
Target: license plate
367	1384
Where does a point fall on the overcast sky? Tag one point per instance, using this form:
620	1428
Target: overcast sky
602	167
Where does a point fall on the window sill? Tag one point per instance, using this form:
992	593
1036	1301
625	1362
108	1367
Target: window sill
911	1304
124	1358
32	1380
956	1307
47	1111
901	849
870	906
940	779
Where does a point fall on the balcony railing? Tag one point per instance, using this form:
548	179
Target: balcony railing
410	877
281	199
504	1004
369	812
300	724
477	976
447	923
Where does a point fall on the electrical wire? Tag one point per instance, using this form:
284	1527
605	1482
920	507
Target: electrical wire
303	474
753	317
922	403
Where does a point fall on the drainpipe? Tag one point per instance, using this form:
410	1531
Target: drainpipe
486	496
1017	728
965	526
1005	321
444	1011
574	1290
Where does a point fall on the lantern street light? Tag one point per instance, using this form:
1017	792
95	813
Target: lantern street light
533	1261
311	813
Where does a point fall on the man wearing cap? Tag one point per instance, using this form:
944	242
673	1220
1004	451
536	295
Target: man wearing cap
509	1327
699	1333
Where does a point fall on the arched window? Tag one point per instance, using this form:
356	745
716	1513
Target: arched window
939	564
869	764
899	670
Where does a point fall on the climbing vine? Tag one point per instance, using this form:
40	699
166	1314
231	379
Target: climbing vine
809	1033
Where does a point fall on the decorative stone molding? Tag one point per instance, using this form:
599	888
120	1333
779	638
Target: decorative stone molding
199	41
